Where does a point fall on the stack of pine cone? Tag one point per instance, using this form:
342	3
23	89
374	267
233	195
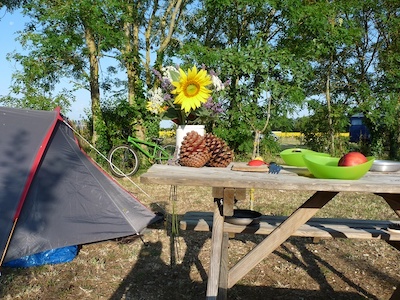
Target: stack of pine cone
209	150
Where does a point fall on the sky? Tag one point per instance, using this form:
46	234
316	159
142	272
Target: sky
10	24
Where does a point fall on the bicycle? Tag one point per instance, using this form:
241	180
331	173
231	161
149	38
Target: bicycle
124	160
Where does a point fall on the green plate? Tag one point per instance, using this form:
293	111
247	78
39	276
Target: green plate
327	167
294	156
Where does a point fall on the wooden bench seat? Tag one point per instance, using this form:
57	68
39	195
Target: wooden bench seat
315	227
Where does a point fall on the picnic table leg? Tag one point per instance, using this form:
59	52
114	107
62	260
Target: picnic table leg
224	199
216	250
393	200
279	235
223	274
396	293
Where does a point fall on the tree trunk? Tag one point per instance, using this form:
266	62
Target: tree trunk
131	58
97	116
330	123
167	24
131	52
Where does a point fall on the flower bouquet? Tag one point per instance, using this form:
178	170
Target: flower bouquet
186	97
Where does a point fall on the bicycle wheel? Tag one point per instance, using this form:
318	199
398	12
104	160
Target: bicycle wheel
123	161
163	156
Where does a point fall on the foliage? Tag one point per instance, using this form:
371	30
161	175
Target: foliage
36	99
120	119
11	4
241	41
316	129
322	33
339	56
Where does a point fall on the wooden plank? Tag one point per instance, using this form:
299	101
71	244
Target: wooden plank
240	194
373	182
394	244
278	236
393	200
218	192
223	274
216	250
316	227
229	200
396	294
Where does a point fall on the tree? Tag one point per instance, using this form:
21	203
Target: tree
383	114
240	40
148	29
323	33
34	93
351	48
11	5
66	40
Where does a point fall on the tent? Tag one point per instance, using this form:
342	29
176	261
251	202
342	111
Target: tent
52	194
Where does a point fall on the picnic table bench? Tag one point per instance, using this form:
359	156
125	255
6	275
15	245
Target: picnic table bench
315	227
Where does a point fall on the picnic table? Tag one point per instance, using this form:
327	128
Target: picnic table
229	185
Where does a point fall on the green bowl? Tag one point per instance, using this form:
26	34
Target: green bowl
294	156
327	167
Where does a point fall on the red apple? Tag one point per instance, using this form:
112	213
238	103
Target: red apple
352	159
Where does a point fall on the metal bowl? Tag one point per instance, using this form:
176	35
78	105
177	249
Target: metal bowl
385	166
244	217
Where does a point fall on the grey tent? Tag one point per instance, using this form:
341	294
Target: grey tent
52	194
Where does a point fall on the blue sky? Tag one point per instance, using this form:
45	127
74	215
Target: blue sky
10	24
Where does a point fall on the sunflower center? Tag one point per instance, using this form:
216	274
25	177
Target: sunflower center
192	89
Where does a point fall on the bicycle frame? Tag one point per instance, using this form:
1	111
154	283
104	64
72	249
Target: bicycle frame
156	147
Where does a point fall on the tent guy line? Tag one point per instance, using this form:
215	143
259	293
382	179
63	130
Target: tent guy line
106	159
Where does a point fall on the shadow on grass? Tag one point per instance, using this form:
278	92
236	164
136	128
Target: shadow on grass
152	278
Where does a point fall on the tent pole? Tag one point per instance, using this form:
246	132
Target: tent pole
8	241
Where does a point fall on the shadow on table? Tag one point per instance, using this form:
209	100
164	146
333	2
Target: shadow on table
153	278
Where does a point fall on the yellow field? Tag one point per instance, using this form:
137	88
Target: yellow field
283	134
280	134
166	133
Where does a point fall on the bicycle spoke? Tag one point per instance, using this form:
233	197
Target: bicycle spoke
166	154
123	161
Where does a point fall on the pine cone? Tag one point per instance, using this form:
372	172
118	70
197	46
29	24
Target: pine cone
194	152
221	154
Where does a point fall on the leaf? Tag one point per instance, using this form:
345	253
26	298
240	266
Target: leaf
174	75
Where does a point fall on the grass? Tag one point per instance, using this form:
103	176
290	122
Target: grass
176	268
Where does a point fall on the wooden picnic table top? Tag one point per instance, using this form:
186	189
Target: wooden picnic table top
287	179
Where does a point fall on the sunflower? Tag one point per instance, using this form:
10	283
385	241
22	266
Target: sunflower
191	89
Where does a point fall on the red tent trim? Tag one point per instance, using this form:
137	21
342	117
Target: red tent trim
36	162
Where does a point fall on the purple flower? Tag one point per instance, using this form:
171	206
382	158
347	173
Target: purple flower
158	74
214	107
